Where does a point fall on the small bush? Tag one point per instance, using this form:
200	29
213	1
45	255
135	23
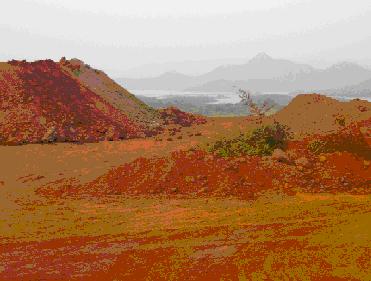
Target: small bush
77	72
318	146
340	120
261	141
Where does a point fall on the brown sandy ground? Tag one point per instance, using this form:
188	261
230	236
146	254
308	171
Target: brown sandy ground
159	237
305	237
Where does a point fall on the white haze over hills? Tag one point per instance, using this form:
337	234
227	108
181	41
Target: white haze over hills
191	67
118	36
194	67
195	45
261	73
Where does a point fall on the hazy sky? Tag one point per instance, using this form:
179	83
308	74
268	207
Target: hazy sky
117	35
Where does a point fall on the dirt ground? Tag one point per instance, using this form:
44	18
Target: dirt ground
306	237
118	237
35	164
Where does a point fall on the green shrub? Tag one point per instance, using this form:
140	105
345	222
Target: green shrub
319	146
261	141
77	72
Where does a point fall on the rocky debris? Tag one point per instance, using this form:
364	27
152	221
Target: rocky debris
280	155
50	135
292	154
326	175
203	190
322	158
300	168
209	157
302	162
266	158
342	179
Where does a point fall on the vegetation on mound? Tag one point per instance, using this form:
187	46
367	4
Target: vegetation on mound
261	141
349	139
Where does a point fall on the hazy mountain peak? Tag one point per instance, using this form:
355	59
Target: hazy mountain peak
173	74
261	73
261	57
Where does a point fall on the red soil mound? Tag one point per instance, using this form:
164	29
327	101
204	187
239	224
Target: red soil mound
199	173
174	116
353	138
98	82
45	101
40	101
317	114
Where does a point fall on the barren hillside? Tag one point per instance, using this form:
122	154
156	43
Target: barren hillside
45	101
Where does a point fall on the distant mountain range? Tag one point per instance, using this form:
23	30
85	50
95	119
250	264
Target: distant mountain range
261	66
188	67
261	73
167	81
360	90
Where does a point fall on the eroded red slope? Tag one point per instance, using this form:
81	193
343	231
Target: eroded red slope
40	101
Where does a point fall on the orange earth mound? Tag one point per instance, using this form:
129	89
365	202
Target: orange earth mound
46	101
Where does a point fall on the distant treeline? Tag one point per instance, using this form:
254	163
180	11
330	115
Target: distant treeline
207	105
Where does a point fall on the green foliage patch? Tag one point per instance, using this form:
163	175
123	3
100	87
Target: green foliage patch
77	72
261	141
